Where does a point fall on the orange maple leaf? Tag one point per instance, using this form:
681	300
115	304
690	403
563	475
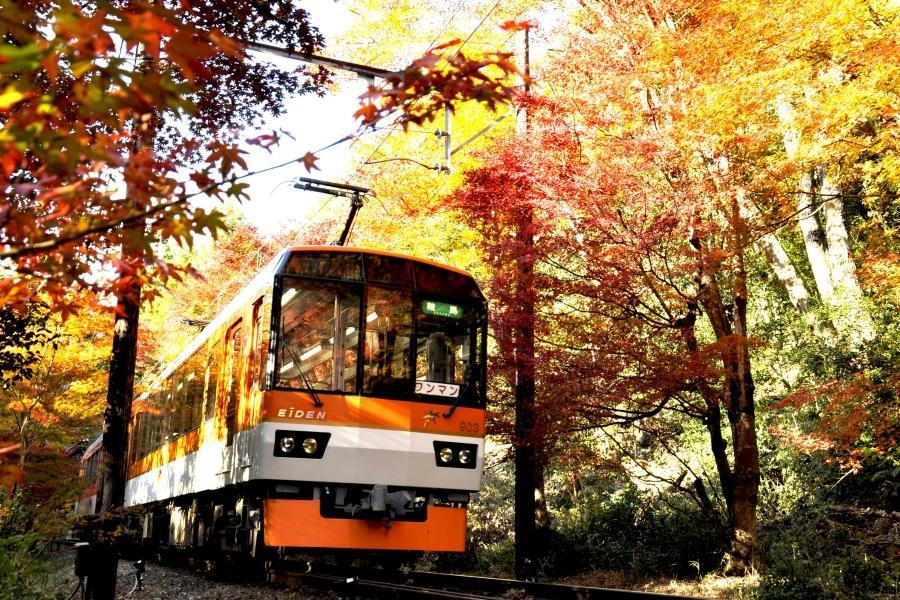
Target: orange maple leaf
309	161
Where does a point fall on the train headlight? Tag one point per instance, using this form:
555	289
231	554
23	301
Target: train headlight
287	444
455	455
301	444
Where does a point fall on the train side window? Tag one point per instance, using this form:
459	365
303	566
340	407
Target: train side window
179	389
132	438
263	348
386	351
194	394
168	416
150	433
212	380
232	383
141	436
319	336
260	353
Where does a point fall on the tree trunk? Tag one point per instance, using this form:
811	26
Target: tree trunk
741	406
119	396
783	267
848	292
809	226
740	483
813	238
525	485
526	488
120	393
784	270
843	271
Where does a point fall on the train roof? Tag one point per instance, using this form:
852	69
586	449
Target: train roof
352	250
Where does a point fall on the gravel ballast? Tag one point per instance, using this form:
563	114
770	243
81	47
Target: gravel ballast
162	582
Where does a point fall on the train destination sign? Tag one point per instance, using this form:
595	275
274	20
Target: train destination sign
434	388
442	309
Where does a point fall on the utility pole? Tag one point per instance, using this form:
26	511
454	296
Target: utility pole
524	378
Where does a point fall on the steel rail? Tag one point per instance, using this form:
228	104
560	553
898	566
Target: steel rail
425	584
537	590
356	588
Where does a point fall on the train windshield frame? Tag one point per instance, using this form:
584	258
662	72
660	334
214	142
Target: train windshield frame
398	333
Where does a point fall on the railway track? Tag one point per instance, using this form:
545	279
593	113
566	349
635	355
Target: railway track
359	584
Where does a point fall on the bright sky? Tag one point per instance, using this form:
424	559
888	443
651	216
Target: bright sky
314	123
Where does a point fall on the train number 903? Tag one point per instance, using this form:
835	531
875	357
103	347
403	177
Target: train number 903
469	427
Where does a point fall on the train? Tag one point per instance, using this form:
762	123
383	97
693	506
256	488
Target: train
337	403
89	471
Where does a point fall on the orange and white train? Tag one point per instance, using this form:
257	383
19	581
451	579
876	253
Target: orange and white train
338	402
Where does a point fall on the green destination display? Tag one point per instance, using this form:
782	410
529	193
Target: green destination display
442	309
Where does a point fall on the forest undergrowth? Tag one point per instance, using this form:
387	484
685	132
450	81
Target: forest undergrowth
837	542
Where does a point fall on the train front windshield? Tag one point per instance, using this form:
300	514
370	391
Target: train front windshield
419	342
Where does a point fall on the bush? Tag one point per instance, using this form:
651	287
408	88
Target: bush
822	551
20	570
632	533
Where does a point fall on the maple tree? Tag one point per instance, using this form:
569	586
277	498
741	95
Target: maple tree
661	171
74	104
52	399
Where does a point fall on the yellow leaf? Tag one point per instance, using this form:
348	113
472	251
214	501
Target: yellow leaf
10	97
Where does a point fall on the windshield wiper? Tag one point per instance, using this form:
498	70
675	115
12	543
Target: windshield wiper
316	401
459	399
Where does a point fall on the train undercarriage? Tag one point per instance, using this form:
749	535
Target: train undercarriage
273	520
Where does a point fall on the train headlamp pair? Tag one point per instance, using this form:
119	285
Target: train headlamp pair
464	455
301	444
287	445
452	454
